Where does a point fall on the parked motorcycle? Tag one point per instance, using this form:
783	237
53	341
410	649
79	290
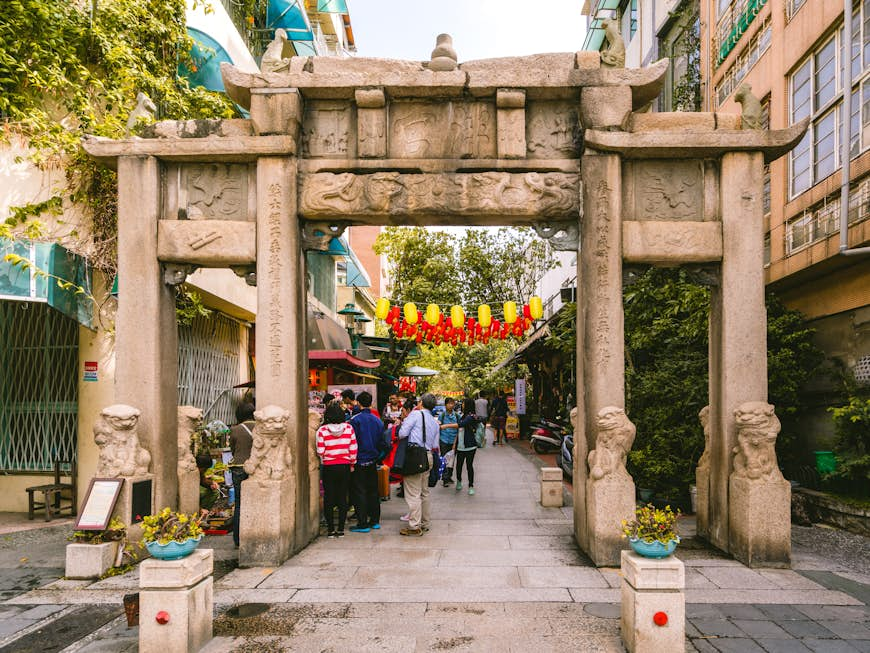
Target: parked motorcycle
565	457
547	436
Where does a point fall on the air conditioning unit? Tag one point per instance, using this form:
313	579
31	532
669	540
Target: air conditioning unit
569	294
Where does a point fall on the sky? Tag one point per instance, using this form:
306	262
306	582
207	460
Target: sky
481	29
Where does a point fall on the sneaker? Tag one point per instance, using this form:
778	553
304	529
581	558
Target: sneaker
447	483
405	517
376	527
339	534
360	529
331	535
458	485
471	491
418	532
425	529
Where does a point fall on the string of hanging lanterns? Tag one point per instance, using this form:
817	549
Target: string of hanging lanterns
456	329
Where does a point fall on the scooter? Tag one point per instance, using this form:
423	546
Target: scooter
565	457
547	437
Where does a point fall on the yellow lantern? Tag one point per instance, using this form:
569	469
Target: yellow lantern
457	316
536	308
411	313
432	314
510	312
382	308
484	317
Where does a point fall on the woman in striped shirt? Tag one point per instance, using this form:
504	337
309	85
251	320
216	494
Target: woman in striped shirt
336	446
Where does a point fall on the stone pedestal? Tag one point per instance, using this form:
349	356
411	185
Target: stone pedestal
608	502
90	560
760	520
188	492
265	523
176	603
551	487
702	500
653	587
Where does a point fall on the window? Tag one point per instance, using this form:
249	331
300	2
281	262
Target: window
823	219
756	47
816	91
38	386
628	20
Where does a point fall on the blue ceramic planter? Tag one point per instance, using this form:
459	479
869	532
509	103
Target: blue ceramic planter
653	549
173	550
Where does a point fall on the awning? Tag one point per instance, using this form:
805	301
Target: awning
340	356
51	274
207	55
291	16
595	33
416	370
358	373
518	352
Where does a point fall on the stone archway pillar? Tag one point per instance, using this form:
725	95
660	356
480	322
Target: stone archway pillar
741	520
274	510
146	338
601	359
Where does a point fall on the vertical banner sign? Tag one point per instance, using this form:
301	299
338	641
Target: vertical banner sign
520	396
91	368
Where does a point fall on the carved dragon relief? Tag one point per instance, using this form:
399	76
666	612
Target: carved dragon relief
549	194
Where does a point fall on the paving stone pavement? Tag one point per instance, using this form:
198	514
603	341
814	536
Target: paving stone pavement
497	572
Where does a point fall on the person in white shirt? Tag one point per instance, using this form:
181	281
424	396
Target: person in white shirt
422	429
481	406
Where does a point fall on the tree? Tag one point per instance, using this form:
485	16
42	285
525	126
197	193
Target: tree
477	267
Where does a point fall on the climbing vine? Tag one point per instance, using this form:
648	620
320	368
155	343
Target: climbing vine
73	68
686	95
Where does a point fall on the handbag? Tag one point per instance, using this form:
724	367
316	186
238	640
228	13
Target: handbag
399	457
416	458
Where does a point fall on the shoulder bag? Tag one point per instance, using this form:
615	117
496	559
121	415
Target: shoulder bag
416	458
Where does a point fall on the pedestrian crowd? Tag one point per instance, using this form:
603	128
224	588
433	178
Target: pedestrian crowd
360	450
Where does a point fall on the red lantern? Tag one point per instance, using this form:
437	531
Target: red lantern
448	322
429	336
437	340
413	331
471	323
419	338
461	335
518	329
419	317
399	330
527	311
471	339
448	333
495	326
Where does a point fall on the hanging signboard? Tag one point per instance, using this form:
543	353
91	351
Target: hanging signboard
520	396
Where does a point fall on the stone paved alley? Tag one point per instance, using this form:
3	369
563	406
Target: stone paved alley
497	572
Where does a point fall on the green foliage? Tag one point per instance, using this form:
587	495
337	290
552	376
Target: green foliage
852	428
170	526
115	532
686	95
652	524
189	306
65	73
479	266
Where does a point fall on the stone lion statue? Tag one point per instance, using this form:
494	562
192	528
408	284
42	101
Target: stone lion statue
704	417
117	436
314	420
755	455
613	439
273	60
189	418
752	112
270	455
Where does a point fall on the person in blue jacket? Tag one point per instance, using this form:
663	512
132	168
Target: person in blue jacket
364	478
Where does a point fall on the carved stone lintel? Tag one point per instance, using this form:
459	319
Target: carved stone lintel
270	455
116	434
316	235
568	242
384	194
189	418
613	439
175	274
755	454
247	272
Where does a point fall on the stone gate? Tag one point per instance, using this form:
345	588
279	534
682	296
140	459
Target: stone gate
555	141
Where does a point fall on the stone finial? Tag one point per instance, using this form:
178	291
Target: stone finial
614	55
175	274
750	117
314	420
144	112
704	417
189	419
270	455
613	439
116	434
443	57
273	60
755	454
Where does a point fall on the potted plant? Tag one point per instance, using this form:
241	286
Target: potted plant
91	554
171	535
653	532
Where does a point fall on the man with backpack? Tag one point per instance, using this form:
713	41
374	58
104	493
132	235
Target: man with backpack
364	477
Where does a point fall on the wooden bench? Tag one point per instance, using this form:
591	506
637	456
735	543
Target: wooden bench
53	501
